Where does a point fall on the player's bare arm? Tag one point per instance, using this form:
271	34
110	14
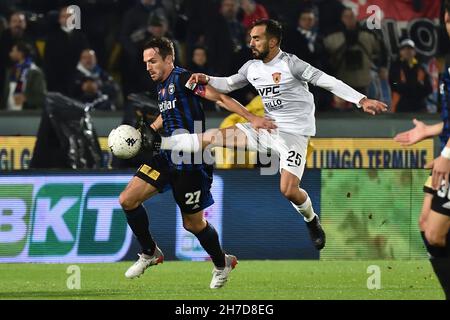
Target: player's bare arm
234	106
157	124
418	133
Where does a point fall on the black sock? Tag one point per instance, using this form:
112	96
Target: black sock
138	221
441	267
440	261
434	251
209	239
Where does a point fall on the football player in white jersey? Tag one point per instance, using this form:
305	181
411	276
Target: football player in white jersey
282	81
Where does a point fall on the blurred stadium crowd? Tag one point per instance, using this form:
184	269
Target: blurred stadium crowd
38	53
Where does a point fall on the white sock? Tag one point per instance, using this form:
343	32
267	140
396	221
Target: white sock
305	209
181	142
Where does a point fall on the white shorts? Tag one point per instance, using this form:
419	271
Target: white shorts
290	148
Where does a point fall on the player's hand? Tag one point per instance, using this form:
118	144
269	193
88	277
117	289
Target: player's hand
441	170
151	140
410	137
199	78
263	123
373	106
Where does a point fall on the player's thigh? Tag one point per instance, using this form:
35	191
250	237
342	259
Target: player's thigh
192	190
426	209
437	227
136	192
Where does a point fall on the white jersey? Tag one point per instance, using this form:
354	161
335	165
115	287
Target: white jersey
283	85
284	91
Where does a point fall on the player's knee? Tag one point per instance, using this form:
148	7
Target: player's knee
289	192
435	239
126	202
193	226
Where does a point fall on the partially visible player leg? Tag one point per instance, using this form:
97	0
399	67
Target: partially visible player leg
131	199
289	187
231	137
437	240
209	239
292	150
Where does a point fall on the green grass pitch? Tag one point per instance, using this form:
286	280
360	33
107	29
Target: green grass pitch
175	280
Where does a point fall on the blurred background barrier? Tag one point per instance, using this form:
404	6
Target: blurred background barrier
48	216
373	153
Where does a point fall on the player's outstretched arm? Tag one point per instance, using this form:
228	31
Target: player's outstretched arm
418	133
234	106
221	84
344	91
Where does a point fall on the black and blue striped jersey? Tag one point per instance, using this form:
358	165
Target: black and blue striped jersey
444	91
181	110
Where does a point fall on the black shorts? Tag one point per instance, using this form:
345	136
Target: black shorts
191	188
441	198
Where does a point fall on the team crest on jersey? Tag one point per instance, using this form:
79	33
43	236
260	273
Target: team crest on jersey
276	77
171	88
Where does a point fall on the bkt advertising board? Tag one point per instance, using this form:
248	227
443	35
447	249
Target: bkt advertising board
76	217
62	219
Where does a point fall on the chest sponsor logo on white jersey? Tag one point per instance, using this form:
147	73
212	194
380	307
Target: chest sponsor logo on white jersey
271	93
167	105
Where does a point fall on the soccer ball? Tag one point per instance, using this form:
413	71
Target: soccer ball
124	141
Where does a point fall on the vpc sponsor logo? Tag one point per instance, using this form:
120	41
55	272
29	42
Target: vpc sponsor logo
62	219
187	245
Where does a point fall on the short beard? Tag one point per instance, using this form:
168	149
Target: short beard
262	55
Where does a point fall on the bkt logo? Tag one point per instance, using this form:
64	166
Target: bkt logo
62	219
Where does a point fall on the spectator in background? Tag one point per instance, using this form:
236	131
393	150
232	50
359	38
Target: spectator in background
91	81
199	61
199	64
135	31
16	31
409	81
305	42
352	52
225	53
25	86
62	52
252	11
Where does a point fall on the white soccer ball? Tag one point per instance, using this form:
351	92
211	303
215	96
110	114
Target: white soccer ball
124	141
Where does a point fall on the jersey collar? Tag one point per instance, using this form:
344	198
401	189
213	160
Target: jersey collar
273	61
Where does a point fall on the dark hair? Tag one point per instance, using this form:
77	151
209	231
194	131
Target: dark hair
273	28
164	46
306	10
25	48
447	6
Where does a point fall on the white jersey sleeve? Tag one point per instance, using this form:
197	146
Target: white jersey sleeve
234	82
340	89
303	71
